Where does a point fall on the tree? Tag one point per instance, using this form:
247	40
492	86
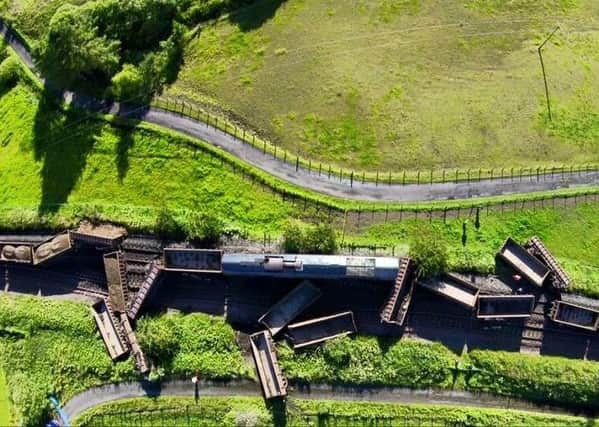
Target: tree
128	84
167	227
10	71
204	226
430	253
74	48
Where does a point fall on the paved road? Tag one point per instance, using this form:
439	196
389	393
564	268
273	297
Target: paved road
112	392
304	178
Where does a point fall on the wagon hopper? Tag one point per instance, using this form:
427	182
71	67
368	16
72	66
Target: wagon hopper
505	306
139	358
321	329
288	308
52	248
575	315
273	383
396	307
192	260
108	326
453	288
16	252
523	262
116	278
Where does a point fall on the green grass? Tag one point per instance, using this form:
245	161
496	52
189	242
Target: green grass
232	411
403	85
5	409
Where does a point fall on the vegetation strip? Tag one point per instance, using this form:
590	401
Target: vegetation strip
253	411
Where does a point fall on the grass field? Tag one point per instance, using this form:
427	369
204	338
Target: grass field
405	85
244	411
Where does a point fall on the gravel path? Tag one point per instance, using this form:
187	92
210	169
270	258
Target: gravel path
302	177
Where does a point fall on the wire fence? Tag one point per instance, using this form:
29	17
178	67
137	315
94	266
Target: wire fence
333	172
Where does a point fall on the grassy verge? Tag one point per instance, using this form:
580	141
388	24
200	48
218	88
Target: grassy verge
571	234
235	411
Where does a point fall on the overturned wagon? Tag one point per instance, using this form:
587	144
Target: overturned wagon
273	383
322	329
288	308
523	262
395	308
453	288
505	306
16	252
109	328
59	244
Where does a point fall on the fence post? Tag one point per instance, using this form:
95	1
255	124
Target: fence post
418	177
329	171
403	182
431	176
319	169
389	177
296	163
363	177
351	180
263	145
377	178
309	165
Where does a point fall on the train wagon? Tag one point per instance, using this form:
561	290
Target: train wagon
321	329
104	235
16	252
311	266
147	288
289	307
138	356
454	288
108	326
192	260
575	315
559	278
52	248
116	277
523	262
395	308
505	306
273	383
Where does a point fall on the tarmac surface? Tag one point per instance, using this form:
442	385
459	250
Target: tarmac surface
354	190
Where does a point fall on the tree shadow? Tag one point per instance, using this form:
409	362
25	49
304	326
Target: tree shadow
254	16
62	141
123	147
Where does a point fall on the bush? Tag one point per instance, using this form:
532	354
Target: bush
293	238
430	252
553	380
167	227
205	227
10	72
320	239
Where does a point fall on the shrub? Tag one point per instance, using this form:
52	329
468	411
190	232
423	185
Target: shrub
320	240
167	226
430	252
293	238
204	226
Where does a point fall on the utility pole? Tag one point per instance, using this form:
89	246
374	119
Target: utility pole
544	74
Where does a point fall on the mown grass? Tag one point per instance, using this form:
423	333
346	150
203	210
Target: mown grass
420	85
233	411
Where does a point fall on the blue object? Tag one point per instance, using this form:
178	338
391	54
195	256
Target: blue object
63	417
